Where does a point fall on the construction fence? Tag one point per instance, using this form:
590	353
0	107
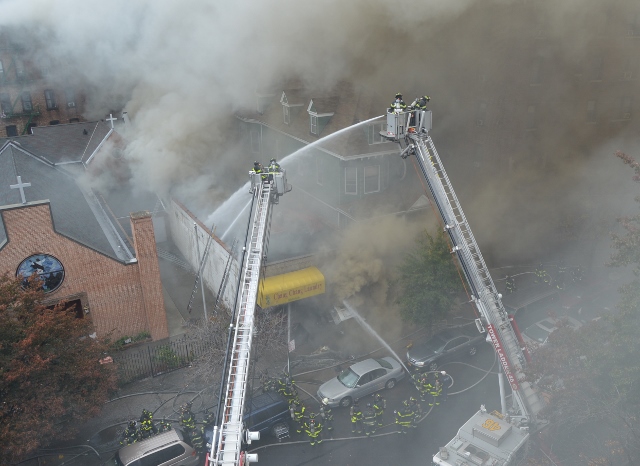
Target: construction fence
160	357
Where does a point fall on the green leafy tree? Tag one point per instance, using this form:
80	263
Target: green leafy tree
50	375
592	376
429	280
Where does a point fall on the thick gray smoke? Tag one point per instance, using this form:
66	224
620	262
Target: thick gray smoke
181	69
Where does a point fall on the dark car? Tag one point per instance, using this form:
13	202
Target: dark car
267	413
445	346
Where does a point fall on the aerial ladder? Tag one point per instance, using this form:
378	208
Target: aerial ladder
230	434
411	130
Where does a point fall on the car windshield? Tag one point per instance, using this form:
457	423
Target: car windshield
434	344
384	363
348	378
537	333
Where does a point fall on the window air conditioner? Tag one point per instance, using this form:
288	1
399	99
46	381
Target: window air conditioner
71	104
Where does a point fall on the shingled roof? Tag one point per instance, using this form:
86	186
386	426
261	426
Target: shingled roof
77	212
344	106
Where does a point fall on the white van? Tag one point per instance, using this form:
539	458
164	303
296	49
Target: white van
166	449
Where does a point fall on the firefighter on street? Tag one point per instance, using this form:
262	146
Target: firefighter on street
298	412
445	380
417	411
356	418
369	420
398	105
379	405
187	420
425	387
147	427
541	275
164	426
197	440
130	434
405	418
560	278
510	284
327	416
314	430
435	393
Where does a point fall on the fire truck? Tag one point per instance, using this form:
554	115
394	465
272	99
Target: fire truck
497	438
230	434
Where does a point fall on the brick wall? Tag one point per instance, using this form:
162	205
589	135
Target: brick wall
123	299
149	272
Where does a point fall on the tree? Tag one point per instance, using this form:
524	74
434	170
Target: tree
592	376
429	280
49	368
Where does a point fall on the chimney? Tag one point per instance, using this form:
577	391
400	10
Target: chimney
144	243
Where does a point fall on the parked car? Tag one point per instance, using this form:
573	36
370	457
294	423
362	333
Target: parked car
267	413
445	346
537	334
359	380
167	449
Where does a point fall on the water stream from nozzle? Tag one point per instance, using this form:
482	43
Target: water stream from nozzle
370	329
233	207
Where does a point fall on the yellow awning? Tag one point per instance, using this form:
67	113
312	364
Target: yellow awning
292	286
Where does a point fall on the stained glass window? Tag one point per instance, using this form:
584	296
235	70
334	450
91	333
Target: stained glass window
48	269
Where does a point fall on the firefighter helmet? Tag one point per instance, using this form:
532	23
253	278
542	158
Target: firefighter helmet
272	161
398	96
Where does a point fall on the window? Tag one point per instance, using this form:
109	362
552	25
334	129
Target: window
162	456
54	122
371	179
625	108
455	343
376	374
50	99
373	133
71	97
74	120
12	130
319	171
591	111
314	124
1	71
287	114
351	180
5	103
27	105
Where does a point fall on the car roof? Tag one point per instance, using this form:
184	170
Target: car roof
365	366
266	399
138	449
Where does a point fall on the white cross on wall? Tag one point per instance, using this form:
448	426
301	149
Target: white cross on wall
111	120
21	187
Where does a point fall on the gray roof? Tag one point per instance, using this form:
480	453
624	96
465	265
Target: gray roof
77	212
59	144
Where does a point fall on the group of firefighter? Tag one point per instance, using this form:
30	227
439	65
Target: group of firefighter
432	388
542	276
266	173
146	427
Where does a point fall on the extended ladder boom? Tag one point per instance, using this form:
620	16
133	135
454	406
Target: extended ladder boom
227	442
483	290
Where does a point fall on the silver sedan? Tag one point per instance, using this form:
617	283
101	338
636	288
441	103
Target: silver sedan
360	380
